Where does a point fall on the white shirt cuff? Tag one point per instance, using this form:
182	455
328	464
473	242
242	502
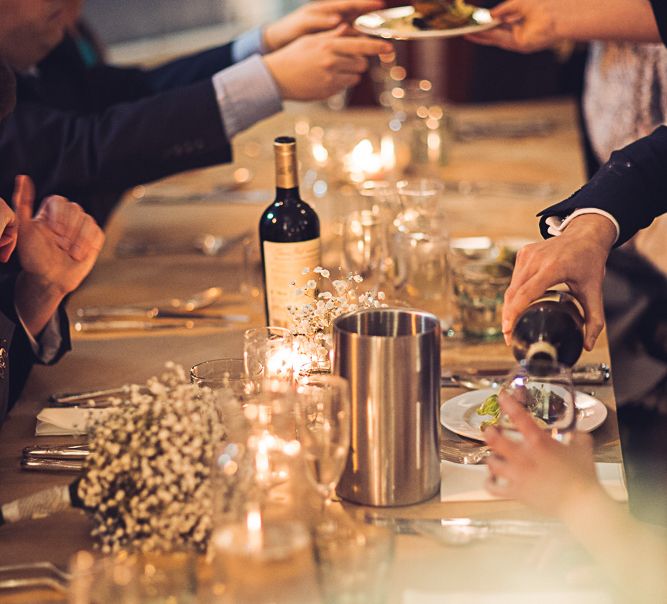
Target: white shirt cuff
50	340
557	225
246	93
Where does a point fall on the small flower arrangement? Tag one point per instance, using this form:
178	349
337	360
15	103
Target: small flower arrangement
312	323
147	479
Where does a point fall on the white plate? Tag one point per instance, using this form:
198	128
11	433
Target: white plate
459	415
396	24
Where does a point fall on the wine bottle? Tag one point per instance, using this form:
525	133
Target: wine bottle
289	234
550	330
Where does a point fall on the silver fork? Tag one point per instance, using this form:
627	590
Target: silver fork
54	577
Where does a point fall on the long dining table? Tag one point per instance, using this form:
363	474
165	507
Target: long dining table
422	568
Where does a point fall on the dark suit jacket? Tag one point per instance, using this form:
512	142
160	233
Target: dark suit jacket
89	133
16	355
631	186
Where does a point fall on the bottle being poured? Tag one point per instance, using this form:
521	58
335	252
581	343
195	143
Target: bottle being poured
550	330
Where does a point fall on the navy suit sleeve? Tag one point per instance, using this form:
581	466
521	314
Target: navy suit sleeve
660	12
631	186
13	338
107	84
120	147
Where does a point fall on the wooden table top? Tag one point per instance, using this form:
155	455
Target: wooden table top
111	359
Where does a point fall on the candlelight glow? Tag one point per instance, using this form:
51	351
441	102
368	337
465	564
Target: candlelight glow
363	162
254	526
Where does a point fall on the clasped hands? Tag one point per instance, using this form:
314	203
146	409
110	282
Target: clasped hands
57	248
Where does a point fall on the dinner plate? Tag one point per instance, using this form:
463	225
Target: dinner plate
396	24
458	414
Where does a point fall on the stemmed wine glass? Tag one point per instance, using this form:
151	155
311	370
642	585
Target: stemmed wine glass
323	423
545	389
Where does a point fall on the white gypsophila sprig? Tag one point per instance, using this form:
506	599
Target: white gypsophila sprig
147	479
312	323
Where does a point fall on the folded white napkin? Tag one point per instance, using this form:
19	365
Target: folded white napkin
460	482
67	421
571	597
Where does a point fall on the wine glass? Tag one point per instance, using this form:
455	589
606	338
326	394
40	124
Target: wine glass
323	423
545	390
268	353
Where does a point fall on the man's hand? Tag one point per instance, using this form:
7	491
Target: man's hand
313	17
527	26
318	65
60	245
8	231
576	258
547	475
57	248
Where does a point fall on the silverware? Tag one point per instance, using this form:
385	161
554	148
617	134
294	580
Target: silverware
96	326
475	379
85	395
206	244
254	197
51	465
461	531
464	455
468	130
197	301
503	188
66	452
54	578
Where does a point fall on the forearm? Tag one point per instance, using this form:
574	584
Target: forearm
36	301
583	20
633	554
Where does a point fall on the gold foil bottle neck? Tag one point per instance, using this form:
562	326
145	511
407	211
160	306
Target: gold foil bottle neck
286	171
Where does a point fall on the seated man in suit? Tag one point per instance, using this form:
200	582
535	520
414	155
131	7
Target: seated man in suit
91	131
56	250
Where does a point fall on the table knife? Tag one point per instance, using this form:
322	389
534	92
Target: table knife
95	326
474	528
66	452
51	465
583	375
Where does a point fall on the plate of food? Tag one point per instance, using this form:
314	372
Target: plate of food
467	413
425	19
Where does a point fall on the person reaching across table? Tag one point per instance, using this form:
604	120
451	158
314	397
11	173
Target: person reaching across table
559	480
89	131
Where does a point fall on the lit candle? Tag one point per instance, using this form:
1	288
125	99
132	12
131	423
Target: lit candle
254	526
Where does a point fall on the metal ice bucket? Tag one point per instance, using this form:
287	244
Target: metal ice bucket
391	357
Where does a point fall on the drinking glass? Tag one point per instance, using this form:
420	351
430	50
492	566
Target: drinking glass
159	578
421	196
323	422
268	353
545	389
353	563
223	374
366	247
479	288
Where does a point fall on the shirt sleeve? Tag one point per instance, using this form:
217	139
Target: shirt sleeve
660	12
246	93
248	44
631	187
49	342
557	225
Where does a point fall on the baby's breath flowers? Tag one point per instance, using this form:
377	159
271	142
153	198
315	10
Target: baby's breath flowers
147	479
331	298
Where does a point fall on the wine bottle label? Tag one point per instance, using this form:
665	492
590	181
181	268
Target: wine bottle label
283	265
